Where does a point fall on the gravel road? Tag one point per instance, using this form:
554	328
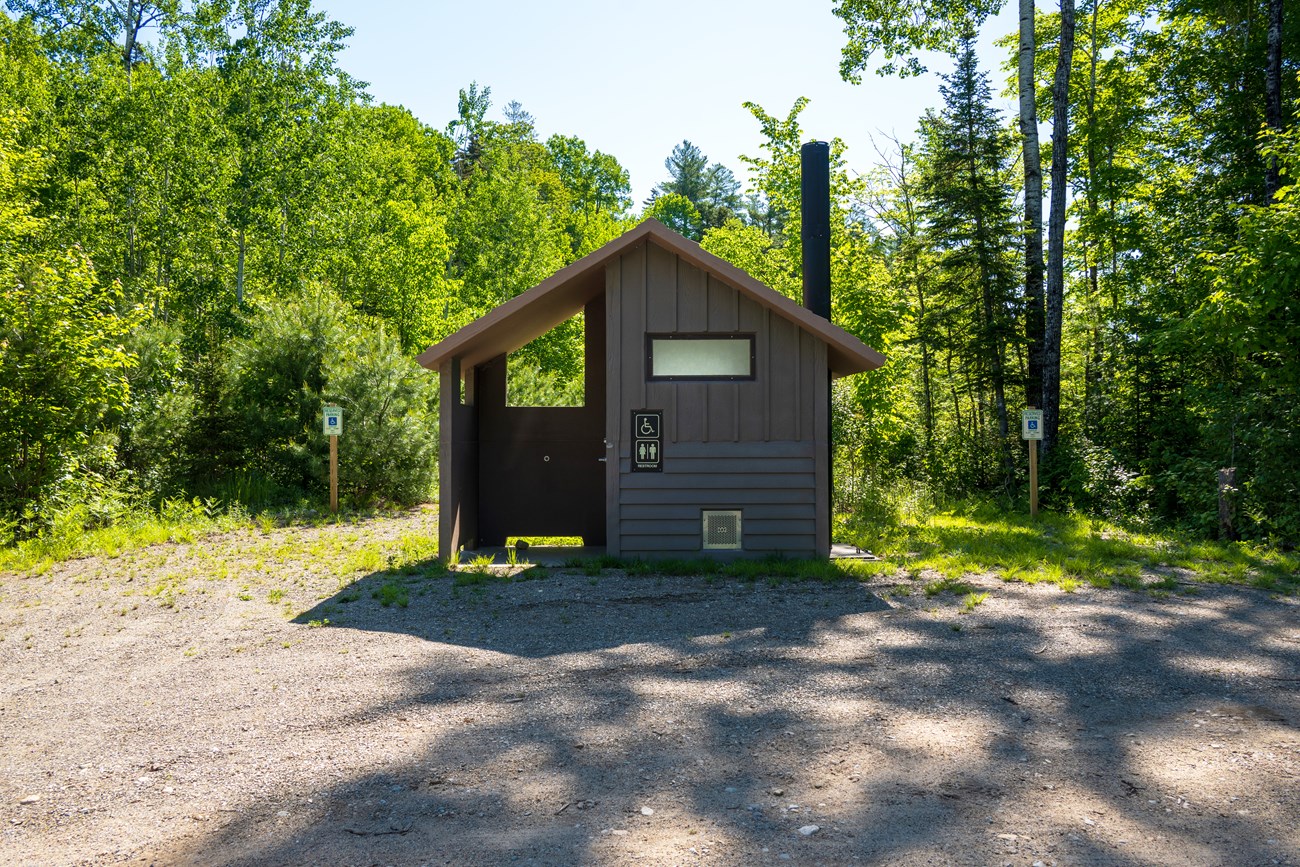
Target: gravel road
190	704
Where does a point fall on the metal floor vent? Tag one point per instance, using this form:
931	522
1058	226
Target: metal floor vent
722	530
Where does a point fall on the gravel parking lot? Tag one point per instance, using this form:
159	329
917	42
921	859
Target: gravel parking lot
269	707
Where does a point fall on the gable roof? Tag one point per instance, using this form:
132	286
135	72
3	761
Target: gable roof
560	296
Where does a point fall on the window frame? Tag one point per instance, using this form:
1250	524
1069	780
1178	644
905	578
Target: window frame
651	337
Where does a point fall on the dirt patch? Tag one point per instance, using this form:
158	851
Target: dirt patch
190	705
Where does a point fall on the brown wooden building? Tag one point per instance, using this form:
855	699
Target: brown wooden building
705	424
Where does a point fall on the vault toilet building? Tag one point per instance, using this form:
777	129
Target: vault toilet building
705	427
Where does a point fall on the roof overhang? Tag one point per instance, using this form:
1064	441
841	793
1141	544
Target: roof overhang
559	297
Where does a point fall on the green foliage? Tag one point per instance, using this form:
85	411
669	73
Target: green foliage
303	353
1067	550
701	196
272	386
392	592
900	29
156	427
969	322
867	420
390	449
171	209
63	371
72	532
677	213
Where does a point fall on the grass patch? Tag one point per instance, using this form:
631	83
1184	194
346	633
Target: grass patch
1072	551
73	535
546	541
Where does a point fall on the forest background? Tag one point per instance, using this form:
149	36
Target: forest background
208	233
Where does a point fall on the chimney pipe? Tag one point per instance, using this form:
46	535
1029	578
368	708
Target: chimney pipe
815	233
815	210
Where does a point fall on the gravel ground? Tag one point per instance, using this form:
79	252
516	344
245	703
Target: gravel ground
188	704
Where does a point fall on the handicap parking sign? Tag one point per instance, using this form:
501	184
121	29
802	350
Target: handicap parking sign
1031	424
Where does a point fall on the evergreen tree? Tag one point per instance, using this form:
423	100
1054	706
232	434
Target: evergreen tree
968	206
712	189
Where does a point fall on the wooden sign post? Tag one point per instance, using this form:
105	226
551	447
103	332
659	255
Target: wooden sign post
333	426
1031	429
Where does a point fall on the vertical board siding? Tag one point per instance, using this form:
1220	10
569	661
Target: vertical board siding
751	408
784	408
691	291
613	407
728	445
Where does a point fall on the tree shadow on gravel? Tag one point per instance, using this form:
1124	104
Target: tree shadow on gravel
698	722
541	612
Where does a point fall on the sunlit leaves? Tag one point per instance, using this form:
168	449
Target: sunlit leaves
901	29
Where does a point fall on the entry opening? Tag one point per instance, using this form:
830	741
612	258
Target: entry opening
722	529
550	370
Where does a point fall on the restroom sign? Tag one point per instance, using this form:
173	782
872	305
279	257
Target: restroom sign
647	441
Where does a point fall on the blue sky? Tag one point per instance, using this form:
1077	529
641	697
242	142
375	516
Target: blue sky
635	79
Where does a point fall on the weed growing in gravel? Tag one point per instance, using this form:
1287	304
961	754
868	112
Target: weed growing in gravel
392	593
477	578
947	585
973	600
369	558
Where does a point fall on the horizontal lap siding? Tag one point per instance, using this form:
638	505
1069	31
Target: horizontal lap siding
661	512
727	445
718	499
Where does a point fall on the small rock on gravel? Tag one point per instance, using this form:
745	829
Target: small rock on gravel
30	799
809	830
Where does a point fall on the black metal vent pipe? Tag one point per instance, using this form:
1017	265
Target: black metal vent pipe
815	209
815	234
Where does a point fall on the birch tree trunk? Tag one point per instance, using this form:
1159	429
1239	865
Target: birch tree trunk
1055	294
1033	225
1273	93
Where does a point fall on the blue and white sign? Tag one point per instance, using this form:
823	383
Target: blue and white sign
333	421
1031	424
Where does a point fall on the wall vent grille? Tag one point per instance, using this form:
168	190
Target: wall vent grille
722	530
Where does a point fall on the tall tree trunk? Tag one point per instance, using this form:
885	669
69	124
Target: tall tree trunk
239	268
1033	227
1055	294
1273	93
923	332
1093	248
992	334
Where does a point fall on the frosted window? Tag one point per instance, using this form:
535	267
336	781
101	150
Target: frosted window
729	357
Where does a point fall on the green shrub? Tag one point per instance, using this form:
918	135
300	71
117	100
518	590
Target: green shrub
63	373
389	448
155	428
300	354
